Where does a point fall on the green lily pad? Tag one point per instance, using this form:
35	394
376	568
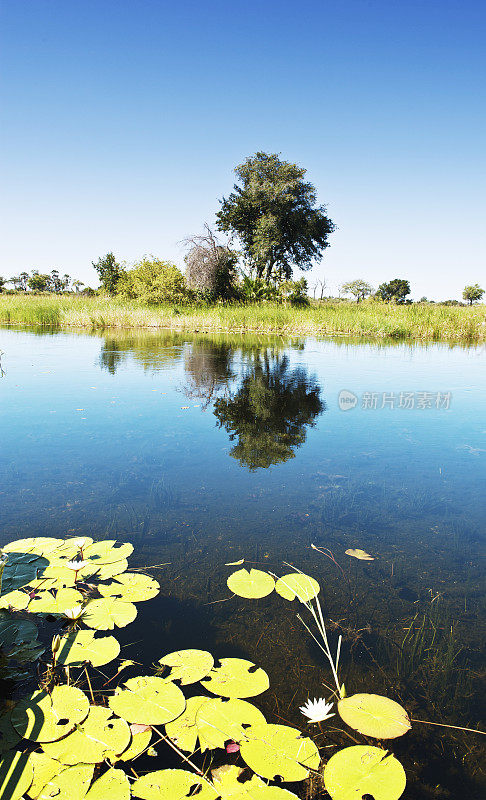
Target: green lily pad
172	784
43	717
20	569
78	647
109	612
70	784
16	599
183	731
18	642
188	666
8	735
16	773
374	715
45	769
297	585
252	585
93	740
279	750
132	587
149	700
220	720
139	742
362	770
236	677
113	785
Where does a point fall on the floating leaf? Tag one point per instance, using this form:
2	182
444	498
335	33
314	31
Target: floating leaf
188	666
220	720
109	612
296	584
272	750
172	784
39	545
8	735
236	677
235	563
78	647
374	715
360	771
252	585
361	555
20	569
113	785
105	552
46	603
183	731
16	599
131	586
70	784
16	773
43	717
18	640
100	736
45	769
105	571
69	548
148	699
139	742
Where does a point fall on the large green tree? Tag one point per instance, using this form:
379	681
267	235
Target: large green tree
273	213
394	291
472	293
109	272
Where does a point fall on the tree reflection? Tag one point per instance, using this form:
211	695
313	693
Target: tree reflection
269	414
208	368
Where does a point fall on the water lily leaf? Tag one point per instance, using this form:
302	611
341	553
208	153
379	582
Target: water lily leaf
263	792
236	677
18	640
278	750
43	717
188	666
106	552
105	571
45	769
16	599
46	603
183	731
297	585
20	569
235	563
139	742
113	785
69	548
8	735
252	585
362	770
109	612
131	586
57	576
220	720
361	555
16	773
70	784
93	740
172	784
148	699
374	715
81	646
39	545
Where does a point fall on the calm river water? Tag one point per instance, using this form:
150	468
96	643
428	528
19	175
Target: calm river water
204	450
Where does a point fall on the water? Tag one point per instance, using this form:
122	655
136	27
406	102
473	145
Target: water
203	450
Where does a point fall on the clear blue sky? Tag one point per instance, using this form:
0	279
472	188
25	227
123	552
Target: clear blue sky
122	121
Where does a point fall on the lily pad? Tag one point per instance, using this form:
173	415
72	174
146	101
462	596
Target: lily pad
132	587
109	612
362	770
105	571
188	666
221	720
361	555
252	585
39	545
374	715
16	774
45	769
172	784
106	551
297	585
149	700
20	569
16	599
8	735
69	548
98	737
139	742
236	677
43	717
183	731
113	785
71	784
79	647
46	603
279	750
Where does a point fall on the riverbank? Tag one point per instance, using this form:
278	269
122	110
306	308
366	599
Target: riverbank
426	322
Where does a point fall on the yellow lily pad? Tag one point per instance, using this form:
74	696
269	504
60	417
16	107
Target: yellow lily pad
109	612
43	717
46	603
16	774
113	785
45	769
361	555
362	770
149	700
374	715
297	585
106	551
187	666
95	739
15	599
79	647
132	587
221	720
139	742
40	545
236	677
183	731
279	750
71	784
172	784
252	585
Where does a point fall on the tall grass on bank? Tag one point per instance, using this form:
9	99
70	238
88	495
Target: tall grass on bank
426	322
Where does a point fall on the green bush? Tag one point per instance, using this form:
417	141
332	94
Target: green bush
153	281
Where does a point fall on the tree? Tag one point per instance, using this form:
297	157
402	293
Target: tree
109	272
274	215
38	282
210	266
394	291
2	284
473	293
153	281
358	288
20	281
77	286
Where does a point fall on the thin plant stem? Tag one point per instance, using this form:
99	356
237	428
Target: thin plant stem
443	725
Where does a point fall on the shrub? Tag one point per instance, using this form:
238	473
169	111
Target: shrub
153	281
211	268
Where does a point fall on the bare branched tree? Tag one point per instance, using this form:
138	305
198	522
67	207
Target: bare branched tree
210	265
320	286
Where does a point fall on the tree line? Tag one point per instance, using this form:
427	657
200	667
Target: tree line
42	282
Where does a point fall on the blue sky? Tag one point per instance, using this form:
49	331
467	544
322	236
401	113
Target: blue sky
123	120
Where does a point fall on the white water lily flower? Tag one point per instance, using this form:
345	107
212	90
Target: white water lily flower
76	565
317	710
73	613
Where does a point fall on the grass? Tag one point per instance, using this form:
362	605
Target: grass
427	322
